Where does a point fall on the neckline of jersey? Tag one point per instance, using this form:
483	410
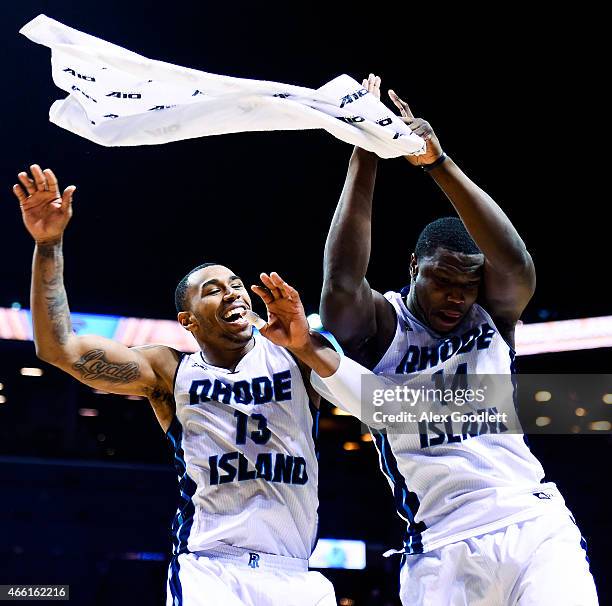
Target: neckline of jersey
236	369
431	331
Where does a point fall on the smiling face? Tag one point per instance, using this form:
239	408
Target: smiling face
214	299
446	285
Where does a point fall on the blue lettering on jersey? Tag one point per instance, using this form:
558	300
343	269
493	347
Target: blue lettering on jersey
222	392
417	359
269	466
282	385
259	390
264	466
242	392
198	392
225	465
484	339
244	473
262	390
283	468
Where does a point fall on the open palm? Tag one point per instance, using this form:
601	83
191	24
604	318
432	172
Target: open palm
287	325
45	212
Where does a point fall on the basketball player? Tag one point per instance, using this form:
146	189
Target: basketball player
238	413
482	527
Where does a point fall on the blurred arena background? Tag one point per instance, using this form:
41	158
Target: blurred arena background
87	487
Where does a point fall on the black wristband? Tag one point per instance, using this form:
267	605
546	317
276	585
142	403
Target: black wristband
434	164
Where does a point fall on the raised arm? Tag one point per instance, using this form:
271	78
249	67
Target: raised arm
509	273
350	309
101	363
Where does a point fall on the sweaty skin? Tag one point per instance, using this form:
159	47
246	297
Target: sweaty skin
444	285
217	299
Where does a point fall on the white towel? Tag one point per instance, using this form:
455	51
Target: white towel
117	98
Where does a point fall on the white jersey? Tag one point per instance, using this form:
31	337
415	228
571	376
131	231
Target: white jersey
244	444
451	485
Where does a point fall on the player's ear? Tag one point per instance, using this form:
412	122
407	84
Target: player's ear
186	320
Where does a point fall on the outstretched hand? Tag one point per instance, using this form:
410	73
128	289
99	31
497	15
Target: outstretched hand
419	127
45	212
287	325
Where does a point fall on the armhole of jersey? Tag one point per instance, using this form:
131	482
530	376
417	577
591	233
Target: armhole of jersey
395	316
396	330
178	366
490	318
174	420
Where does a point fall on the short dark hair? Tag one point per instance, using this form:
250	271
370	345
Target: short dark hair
446	232
180	294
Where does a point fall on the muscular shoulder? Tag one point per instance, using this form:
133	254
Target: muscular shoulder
369	351
163	359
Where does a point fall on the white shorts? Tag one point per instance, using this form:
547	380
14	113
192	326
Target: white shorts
230	576
533	563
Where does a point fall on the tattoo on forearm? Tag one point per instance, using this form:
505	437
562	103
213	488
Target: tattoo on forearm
94	366
54	291
48	250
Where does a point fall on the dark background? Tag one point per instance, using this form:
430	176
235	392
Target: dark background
508	103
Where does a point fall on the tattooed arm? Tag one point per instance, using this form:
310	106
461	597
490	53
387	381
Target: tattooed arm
96	361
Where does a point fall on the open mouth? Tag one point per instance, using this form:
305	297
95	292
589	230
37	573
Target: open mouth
235	315
449	317
450	314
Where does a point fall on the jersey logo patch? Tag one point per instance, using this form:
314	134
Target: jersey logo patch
253	560
542	495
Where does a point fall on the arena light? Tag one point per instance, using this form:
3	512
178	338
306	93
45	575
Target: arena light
542	396
580	412
366	437
88	412
2	399
147	556
351	446
607	398
314	321
31	372
563	335
339	553
339	412
1	386
600	426
536	338
543	421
